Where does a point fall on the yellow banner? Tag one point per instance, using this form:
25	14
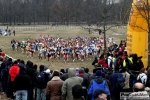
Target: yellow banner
137	32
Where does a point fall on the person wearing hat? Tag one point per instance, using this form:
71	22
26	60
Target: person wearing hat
100	94
98	83
77	92
53	88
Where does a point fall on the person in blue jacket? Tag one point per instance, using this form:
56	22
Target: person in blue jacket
98	83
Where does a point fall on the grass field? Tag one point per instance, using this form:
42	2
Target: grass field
33	32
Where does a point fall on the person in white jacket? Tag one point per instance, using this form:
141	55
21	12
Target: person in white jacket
142	77
109	59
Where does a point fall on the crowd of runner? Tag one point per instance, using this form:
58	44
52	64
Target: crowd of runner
79	48
114	72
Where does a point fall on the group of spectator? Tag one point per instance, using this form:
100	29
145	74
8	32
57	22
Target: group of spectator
114	72
7	32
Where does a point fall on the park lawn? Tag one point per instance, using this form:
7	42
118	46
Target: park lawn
25	32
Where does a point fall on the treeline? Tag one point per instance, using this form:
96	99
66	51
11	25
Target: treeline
63	11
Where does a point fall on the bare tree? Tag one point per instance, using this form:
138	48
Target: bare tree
65	11
56	11
102	18
78	11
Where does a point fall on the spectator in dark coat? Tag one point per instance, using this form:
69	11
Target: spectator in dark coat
137	62
85	82
30	69
109	72
86	74
35	88
62	71
31	73
107	76
3	77
9	63
22	62
22	83
86	70
93	76
77	92
113	81
65	75
41	86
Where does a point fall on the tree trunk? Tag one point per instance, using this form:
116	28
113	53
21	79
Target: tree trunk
104	38
14	20
34	17
23	18
10	19
48	18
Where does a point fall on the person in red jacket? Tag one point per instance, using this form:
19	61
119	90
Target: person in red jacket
14	70
102	61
